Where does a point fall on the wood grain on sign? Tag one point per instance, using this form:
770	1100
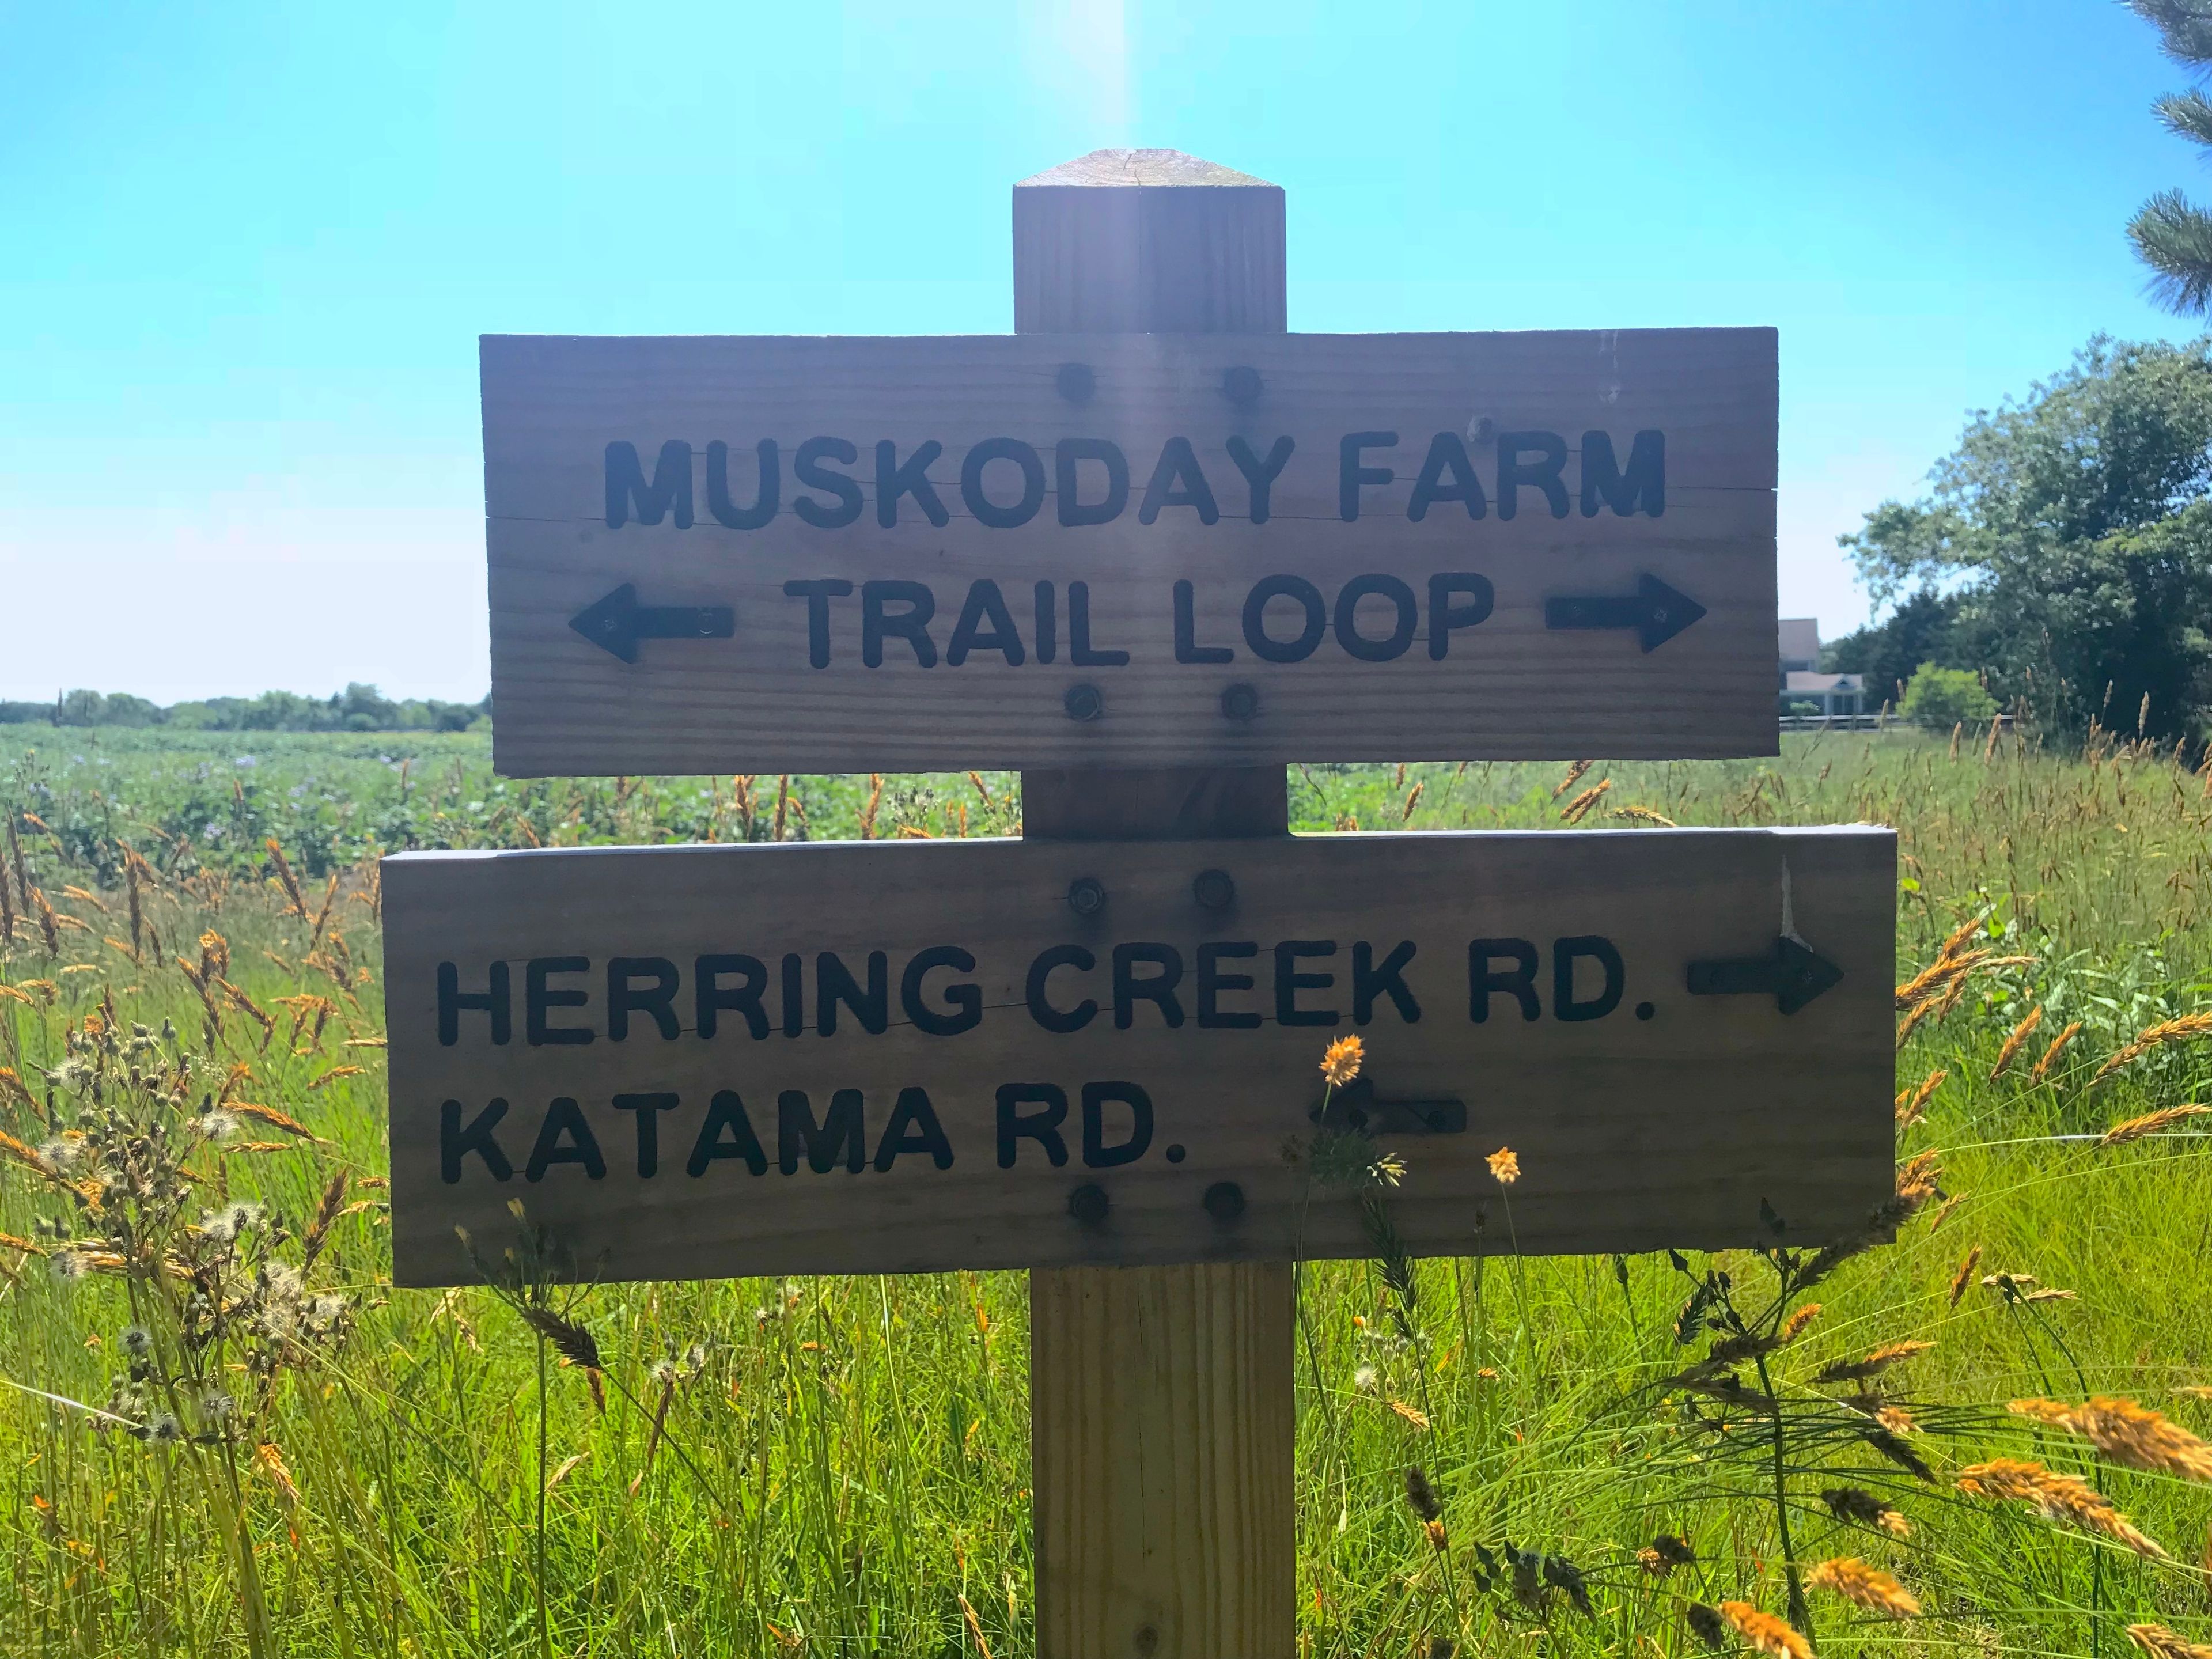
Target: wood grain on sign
1643	1116
1200	688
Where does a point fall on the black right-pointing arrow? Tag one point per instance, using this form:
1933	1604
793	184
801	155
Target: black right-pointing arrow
1793	972
1657	612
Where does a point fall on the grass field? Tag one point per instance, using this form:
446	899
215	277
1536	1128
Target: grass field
223	1431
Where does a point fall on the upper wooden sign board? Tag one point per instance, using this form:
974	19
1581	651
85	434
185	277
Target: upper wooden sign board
1097	550
700	1061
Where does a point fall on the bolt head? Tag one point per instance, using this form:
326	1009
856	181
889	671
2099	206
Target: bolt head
1076	383
1240	701
1084	702
1223	1201
1087	896
1242	384
1088	1205
1214	889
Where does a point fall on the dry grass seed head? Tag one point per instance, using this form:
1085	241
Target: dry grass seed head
1916	1183
286	879
1420	1496
1964	1277
2187	1029
2042	1069
1959	935
272	1117
1868	1587
2150	1123
1577	809
2022	1287
571	1340
1505	1165
1762	1632
1855	1505
2013	1043
2160	1643
1731	1350
2125	1433
1879	1360
1912	1104
327	1210
272	1460
1917	1180
1706	1624
2059	1497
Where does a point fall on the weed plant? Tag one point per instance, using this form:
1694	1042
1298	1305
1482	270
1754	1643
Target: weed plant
225	1434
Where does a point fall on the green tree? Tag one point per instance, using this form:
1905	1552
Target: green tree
121	708
1919	631
2074	530
285	711
2172	234
364	709
1942	698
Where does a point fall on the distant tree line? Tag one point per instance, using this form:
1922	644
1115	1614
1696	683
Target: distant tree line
357	708
2062	553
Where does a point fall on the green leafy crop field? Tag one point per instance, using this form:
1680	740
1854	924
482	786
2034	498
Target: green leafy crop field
224	1431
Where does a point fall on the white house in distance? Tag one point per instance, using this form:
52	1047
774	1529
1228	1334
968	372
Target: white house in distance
1804	688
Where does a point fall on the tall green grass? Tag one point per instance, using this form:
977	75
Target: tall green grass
841	1465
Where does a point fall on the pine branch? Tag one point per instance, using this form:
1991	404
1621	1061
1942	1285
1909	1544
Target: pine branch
2174	239
2184	26
2186	115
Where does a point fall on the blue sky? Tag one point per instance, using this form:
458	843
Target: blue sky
245	249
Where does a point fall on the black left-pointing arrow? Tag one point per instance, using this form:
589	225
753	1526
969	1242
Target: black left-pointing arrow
1657	612
1793	972
618	622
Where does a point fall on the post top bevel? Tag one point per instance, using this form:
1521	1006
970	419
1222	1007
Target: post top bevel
1156	168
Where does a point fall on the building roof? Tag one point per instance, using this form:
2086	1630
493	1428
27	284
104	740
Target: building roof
1800	639
1798	680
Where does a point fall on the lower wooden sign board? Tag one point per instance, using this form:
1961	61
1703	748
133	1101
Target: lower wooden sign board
706	1061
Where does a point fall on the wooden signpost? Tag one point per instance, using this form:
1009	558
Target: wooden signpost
1147	550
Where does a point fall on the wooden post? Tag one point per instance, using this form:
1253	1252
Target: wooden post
1163	1412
